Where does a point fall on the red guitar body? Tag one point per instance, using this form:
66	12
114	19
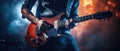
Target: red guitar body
31	33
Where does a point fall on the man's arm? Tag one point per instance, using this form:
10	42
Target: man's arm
73	14
74	9
26	11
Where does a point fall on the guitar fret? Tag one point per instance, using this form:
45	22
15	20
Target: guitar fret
87	17
81	19
92	16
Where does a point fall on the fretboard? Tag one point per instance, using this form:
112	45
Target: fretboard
77	20
84	18
98	15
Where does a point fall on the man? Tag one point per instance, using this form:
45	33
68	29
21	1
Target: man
49	9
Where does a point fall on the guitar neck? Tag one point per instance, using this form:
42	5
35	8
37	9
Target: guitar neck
84	18
77	20
98	15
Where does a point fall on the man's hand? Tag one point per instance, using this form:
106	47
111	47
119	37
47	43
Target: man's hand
39	24
69	23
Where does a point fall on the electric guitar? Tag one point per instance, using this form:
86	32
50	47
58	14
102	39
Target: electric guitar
56	22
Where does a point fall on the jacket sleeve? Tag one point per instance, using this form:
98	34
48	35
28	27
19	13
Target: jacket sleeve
74	13
74	9
28	4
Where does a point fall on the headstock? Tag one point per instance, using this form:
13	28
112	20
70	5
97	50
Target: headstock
103	15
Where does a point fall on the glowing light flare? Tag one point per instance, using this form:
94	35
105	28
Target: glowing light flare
87	2
19	23
106	8
117	14
88	7
111	3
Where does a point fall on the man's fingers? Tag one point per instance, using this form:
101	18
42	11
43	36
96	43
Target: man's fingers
71	20
39	23
67	23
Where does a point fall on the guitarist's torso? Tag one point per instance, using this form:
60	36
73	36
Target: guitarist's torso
50	8
32	34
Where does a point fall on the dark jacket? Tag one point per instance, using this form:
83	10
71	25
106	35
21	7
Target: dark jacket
70	7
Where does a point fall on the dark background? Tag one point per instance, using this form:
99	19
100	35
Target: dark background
91	35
